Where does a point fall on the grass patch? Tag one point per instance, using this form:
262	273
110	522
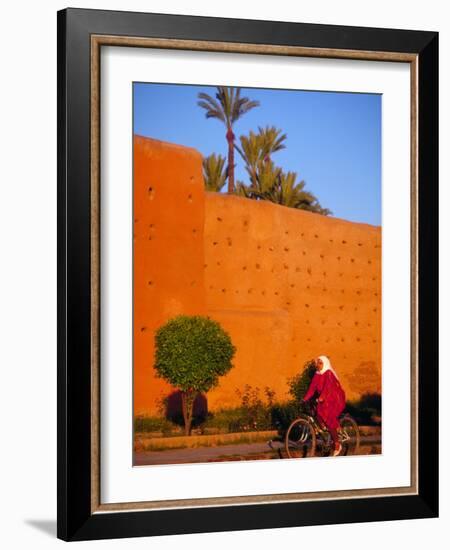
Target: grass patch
143	443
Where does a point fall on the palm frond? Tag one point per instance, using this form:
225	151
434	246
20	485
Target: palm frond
214	174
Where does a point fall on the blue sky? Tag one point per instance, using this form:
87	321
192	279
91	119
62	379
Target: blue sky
333	139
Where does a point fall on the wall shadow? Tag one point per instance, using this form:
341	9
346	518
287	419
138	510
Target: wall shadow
174	411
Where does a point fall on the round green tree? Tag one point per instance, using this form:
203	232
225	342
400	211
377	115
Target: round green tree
191	353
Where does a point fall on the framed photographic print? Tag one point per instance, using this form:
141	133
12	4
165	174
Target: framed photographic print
247	256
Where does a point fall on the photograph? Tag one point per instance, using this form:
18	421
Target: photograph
257	262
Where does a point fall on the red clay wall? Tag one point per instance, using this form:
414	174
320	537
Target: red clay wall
169	210
290	285
287	285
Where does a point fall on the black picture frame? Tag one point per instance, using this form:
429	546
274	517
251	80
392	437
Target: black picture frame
75	518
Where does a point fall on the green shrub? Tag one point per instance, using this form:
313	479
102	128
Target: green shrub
255	413
282	414
367	410
225	420
147	424
299	384
192	352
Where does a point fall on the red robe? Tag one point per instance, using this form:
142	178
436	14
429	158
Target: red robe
331	396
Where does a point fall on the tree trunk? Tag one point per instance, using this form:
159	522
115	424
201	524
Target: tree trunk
230	139
253	184
187	404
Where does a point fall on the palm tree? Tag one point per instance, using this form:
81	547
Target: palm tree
259	147
250	152
288	192
228	106
213	172
271	141
274	185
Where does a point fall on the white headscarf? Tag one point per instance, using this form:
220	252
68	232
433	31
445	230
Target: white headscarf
326	366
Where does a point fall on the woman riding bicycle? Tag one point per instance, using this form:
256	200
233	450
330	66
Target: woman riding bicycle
325	386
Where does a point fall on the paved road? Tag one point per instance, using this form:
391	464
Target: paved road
241	451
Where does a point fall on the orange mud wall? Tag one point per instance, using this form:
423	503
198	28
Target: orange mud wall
286	284
169	210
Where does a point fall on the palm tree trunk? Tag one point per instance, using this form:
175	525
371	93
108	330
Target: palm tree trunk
230	139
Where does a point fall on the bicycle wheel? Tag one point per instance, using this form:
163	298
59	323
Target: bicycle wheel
349	436
300	439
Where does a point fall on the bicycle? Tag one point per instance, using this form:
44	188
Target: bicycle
305	435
